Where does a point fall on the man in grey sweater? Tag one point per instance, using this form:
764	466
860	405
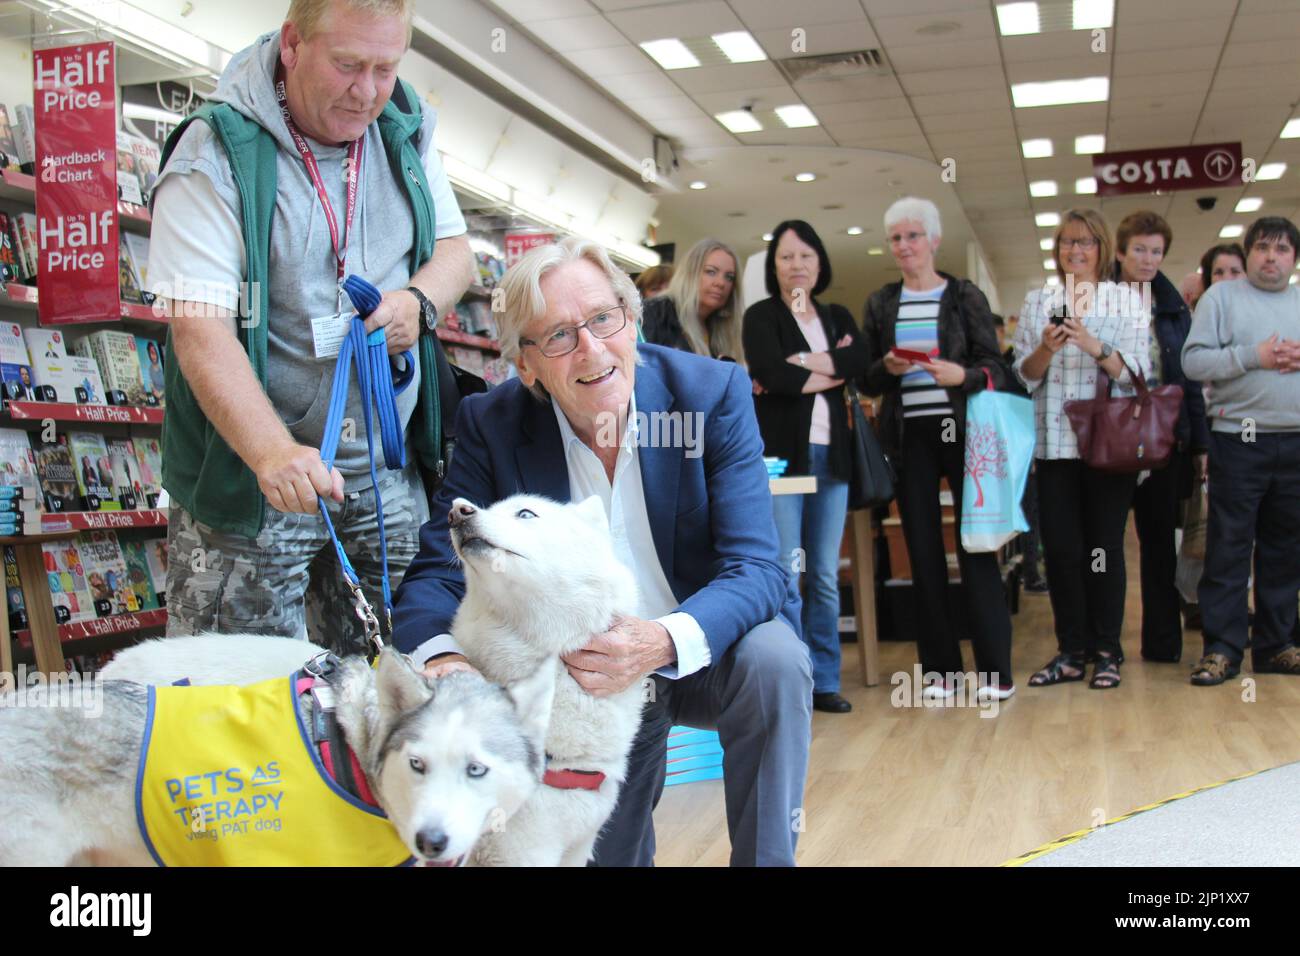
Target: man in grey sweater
1245	343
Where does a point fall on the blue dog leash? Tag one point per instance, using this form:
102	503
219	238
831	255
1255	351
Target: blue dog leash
379	388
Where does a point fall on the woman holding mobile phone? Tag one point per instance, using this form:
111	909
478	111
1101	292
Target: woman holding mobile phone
928	342
1066	334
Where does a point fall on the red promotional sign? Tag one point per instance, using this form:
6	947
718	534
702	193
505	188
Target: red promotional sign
1212	166
517	243
75	108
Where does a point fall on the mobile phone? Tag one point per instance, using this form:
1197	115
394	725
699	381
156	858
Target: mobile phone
1058	315
909	355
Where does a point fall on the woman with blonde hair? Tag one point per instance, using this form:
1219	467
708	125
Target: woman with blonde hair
701	310
1067	335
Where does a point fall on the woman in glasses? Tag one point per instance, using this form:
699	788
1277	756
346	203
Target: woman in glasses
1068	332
801	415
700	311
944	327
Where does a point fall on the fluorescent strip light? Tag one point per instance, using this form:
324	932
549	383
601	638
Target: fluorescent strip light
699	184
796	116
1271	171
1094	14
1036	148
1049	264
854	230
1249	205
463	174
875	251
739	121
804	177
1042	188
1053	279
1087	145
739	47
670	54
1085	186
1046	244
1089	89
1017	19
767	237
1047	219
1292	129
1231	232
1294	279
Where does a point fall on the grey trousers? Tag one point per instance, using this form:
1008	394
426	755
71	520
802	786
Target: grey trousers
287	580
759	699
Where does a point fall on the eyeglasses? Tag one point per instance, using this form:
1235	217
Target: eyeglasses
565	340
1089	242
908	237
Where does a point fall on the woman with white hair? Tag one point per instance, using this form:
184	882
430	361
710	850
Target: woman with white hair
923	426
701	311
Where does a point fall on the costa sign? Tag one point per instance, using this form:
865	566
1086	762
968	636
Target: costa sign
1210	166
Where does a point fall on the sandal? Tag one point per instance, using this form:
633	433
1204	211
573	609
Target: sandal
1214	669
1056	671
1105	674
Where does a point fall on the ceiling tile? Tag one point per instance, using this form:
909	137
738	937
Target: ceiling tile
945	81
1065	68
698	19
664	107
775	15
528	10
809	136
763	98
639	86
576	33
1155	106
732	76
862	111
916	29
1257	54
697	131
881	129
1159	85
1047	46
1171	33
1129	14
940	104
1250	28
1167	61
850	89
970	120
818	39
623	60
951	55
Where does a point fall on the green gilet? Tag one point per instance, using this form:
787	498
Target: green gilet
200	471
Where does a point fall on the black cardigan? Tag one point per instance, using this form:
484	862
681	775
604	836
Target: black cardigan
660	325
966	336
784	413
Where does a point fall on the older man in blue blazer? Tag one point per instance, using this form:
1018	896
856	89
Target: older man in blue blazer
718	624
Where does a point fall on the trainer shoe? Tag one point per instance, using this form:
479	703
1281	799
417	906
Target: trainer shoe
1285	661
938	690
1214	669
995	691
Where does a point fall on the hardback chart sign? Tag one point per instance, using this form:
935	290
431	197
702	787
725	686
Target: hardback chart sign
75	104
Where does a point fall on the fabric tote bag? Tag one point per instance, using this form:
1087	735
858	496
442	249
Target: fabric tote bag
871	476
1127	434
999	452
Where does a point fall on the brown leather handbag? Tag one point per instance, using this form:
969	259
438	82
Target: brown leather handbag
1129	434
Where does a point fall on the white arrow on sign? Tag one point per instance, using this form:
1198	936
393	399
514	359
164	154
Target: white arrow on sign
1219	165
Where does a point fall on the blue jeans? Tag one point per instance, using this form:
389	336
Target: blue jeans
815	523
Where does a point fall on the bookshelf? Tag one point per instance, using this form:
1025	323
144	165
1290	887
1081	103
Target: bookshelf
43	639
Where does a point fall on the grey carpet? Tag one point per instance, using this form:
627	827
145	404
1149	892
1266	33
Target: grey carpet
1250	822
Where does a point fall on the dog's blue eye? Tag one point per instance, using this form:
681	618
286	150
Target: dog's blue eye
525	513
476	770
417	765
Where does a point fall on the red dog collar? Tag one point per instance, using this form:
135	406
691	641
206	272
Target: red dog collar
573	779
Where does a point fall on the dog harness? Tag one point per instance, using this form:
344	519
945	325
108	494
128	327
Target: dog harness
228	776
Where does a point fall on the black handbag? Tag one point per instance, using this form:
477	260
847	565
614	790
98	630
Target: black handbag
871	474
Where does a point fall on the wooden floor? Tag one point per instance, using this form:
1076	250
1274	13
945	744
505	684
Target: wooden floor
938	787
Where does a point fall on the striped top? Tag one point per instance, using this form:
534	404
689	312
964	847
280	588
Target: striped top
917	329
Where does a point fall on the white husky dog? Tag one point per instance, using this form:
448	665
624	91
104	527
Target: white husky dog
541	580
446	759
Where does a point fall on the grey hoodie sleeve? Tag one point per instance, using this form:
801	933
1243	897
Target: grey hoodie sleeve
1206	357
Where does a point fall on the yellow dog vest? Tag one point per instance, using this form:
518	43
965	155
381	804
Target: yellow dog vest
228	777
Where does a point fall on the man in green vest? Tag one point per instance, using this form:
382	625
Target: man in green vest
313	161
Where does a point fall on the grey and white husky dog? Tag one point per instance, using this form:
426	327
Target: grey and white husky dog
67	774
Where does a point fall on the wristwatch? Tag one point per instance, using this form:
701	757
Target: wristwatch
1106	352
428	311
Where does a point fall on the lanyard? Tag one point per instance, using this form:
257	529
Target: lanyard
352	176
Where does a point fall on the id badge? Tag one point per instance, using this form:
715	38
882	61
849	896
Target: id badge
328	333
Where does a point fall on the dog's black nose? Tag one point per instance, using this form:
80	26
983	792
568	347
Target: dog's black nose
431	842
460	513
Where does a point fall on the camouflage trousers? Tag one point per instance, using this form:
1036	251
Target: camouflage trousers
287	581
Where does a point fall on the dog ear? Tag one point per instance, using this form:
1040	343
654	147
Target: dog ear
399	687
533	697
593	509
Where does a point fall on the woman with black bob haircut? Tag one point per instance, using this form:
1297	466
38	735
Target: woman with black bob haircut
802	417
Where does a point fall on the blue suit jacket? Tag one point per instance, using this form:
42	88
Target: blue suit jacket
710	515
